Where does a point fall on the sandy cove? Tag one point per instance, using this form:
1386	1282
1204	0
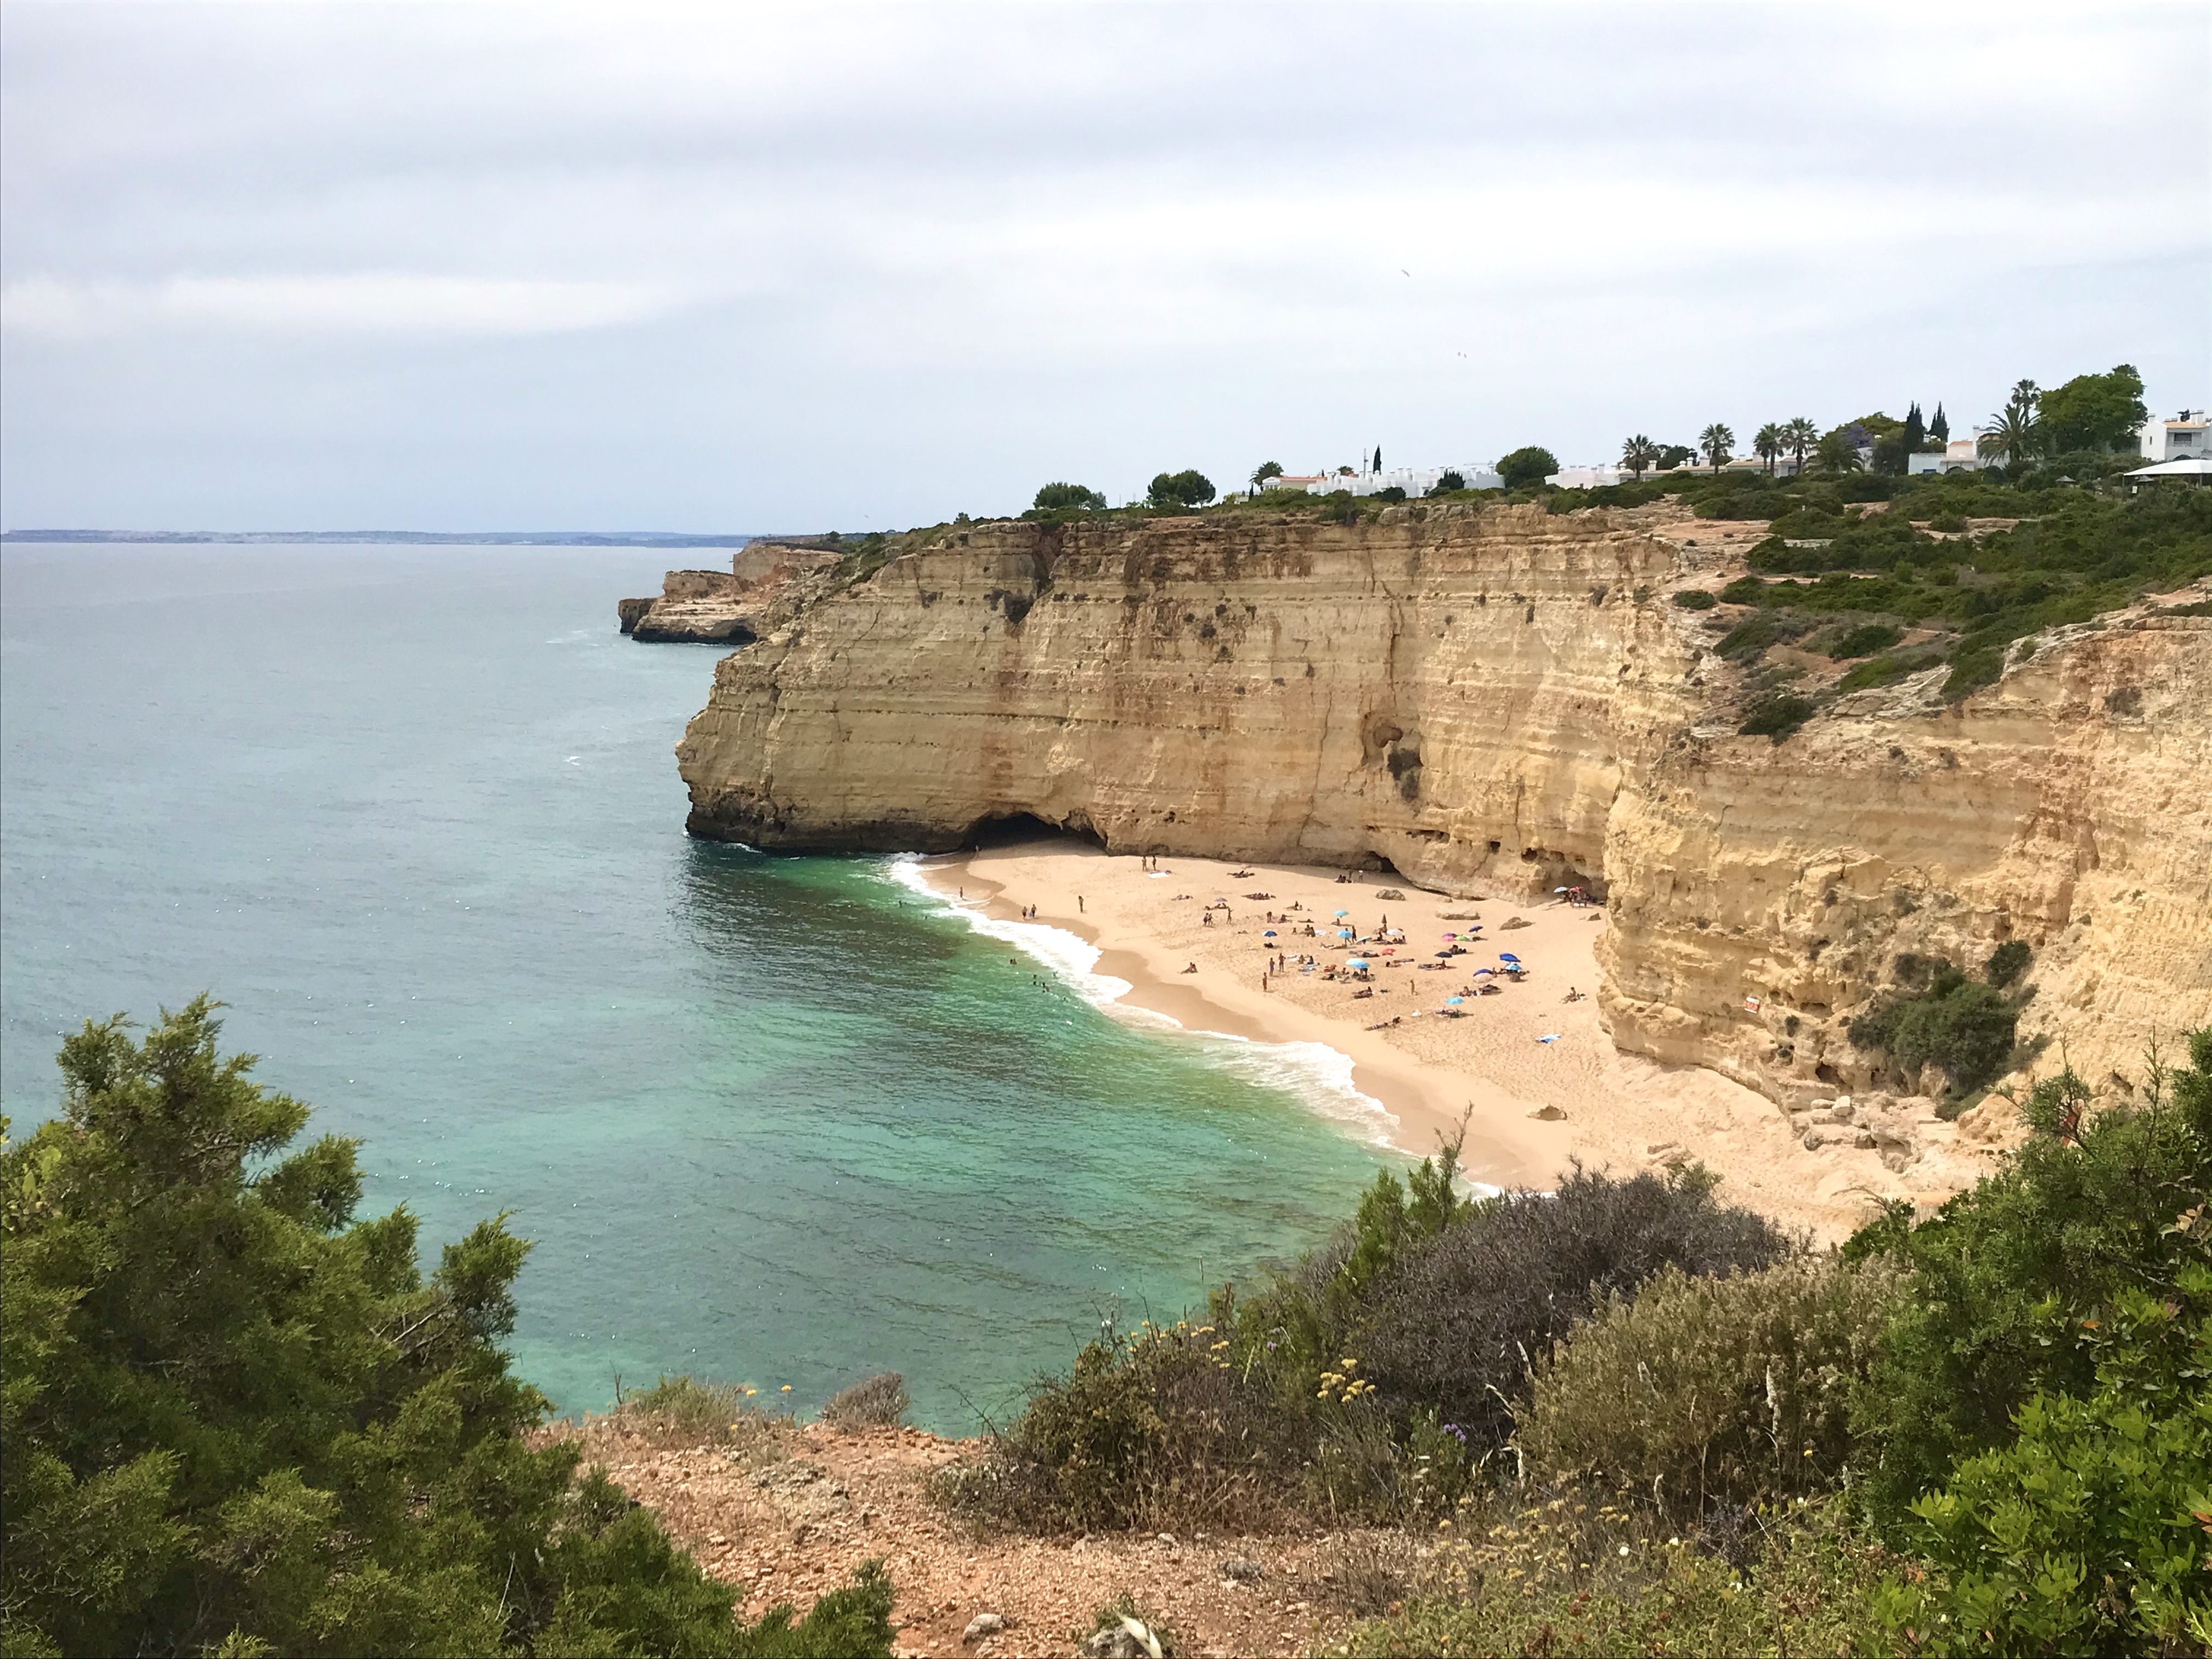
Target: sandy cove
1622	1113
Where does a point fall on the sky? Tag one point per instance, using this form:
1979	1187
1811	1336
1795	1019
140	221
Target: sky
278	266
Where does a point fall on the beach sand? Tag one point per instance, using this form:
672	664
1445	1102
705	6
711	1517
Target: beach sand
1621	1113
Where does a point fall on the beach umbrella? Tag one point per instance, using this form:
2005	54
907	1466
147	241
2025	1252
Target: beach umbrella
1507	956
1355	961
1444	953
1270	933
1454	1002
1480	971
1451	935
1559	890
1344	913
1554	1038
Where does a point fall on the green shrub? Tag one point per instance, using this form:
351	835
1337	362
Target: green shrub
2093	1204
1706	1389
1748	638
1965	1028
1865	639
1876	671
1776	717
1695	599
238	1419
1527	466
1457	1323
1951	523
1576	1575
1744	590
2087	1533
2006	964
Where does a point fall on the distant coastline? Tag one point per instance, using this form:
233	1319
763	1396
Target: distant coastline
404	538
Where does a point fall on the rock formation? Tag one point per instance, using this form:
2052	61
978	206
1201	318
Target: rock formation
1499	699
767	578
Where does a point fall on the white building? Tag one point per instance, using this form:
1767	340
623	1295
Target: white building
1413	480
1960	455
2180	439
1596	475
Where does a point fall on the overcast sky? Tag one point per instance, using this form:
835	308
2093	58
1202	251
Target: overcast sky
515	266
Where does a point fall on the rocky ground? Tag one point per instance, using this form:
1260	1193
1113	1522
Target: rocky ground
786	1512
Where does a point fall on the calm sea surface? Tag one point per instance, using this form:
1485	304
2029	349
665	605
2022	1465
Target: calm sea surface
412	813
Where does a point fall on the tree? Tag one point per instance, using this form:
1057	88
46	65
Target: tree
1837	454
1185	488
1939	429
1801	434
1673	455
1714	443
2093	412
238	1420
2013	434
1264	472
1060	497
1768	445
1530	465
1447	479
1640	455
1916	431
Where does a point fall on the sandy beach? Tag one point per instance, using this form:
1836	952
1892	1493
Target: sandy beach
1191	939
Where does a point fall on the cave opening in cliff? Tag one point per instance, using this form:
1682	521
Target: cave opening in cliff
1014	829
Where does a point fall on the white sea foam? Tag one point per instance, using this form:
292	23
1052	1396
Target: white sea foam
1313	1071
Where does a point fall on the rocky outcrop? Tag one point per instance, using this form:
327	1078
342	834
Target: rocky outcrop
1500	699
766	579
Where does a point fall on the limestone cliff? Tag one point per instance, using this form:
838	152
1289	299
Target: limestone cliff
768	579
1499	699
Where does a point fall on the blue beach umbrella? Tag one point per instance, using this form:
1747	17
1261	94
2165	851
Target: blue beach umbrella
1355	961
1454	1002
1507	956
1270	933
1344	913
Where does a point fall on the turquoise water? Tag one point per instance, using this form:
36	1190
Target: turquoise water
412	813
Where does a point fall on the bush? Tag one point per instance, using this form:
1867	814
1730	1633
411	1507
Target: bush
1748	638
238	1419
1447	481
1390	493
1864	641
1700	1390
1744	590
2006	964
1524	467
1457	1323
880	1402
1694	599
1574	1574
1776	717
1965	1028
1145	1431
2094	1205
2085	1535
1877	671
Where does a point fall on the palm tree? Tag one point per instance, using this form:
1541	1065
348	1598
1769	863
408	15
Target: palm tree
1769	445
1640	455
1266	471
1714	442
2013	433
1801	434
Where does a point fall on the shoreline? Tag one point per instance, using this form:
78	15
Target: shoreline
1536	1107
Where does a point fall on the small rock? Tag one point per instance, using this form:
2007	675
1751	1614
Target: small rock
1512	922
1842	1109
1242	1572
1168	1538
983	1624
1864	1140
1549	1114
1391	893
1127	1640
1813	1138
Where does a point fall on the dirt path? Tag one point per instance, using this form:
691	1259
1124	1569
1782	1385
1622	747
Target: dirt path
788	1515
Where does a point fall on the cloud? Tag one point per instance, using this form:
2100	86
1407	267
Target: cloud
371	302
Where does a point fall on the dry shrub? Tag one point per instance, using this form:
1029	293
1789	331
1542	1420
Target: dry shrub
880	1402
1458	1326
1698	1391
682	1412
1364	1573
1147	1431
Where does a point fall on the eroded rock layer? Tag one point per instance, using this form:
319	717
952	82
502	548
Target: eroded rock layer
1501	699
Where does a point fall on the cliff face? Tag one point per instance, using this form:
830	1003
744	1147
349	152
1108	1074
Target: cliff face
767	580
1500	700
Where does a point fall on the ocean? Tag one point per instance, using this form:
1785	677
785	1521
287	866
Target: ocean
411	813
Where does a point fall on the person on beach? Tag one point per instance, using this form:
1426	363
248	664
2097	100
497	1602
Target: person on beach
1078	904
1192	968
